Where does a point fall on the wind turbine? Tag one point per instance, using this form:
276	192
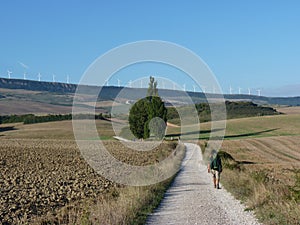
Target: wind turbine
194	88
203	89
68	79
39	76
53	77
119	82
9	73
258	92
240	90
230	90
249	91
183	87
24	75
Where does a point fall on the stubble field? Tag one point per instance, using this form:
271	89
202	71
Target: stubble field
42	171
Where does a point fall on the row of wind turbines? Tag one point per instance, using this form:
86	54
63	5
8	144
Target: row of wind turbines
240	91
129	84
231	90
39	76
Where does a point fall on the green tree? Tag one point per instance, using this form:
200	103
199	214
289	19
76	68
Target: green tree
157	117
138	117
152	89
148	116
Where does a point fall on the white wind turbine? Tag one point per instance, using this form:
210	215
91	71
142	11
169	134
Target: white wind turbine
119	83
68	79
9	74
249	91
183	87
194	88
39	76
24	75
259	92
203	89
240	90
53	77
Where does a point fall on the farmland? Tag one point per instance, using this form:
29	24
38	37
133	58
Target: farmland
264	170
43	172
45	178
261	158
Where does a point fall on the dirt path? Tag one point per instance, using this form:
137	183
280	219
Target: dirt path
192	199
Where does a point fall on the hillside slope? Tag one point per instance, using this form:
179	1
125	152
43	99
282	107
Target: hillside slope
56	93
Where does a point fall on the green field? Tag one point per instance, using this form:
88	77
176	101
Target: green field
251	127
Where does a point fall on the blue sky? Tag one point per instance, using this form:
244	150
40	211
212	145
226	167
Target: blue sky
247	44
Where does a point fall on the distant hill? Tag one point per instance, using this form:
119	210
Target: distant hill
37	85
111	92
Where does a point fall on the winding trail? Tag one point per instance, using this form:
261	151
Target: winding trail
192	199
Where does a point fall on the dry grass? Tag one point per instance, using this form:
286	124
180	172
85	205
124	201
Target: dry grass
61	130
44	179
289	110
265	170
265	175
132	204
15	106
253	127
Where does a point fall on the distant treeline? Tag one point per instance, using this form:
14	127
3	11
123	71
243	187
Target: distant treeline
233	110
247	109
31	118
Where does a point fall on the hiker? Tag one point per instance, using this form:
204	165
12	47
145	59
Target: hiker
215	167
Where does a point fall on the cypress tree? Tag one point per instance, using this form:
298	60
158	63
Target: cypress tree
148	116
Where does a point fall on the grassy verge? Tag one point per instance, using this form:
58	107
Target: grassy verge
273	201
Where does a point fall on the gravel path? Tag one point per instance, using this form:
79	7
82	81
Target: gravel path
192	199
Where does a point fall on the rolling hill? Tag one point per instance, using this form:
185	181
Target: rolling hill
19	96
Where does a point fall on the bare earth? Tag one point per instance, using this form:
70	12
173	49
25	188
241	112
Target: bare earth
192	199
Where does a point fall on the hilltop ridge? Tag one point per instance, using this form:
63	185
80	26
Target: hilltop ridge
111	92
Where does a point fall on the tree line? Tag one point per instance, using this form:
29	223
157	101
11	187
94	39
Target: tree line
31	118
233	110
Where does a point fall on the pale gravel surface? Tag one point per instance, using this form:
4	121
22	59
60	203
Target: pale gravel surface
192	199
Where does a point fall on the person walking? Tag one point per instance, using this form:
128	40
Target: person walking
215	168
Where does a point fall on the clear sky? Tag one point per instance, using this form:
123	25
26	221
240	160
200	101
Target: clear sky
247	44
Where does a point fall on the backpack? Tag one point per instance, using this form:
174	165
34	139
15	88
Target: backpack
214	164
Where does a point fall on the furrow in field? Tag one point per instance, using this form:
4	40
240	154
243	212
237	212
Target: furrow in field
271	151
285	146
265	156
